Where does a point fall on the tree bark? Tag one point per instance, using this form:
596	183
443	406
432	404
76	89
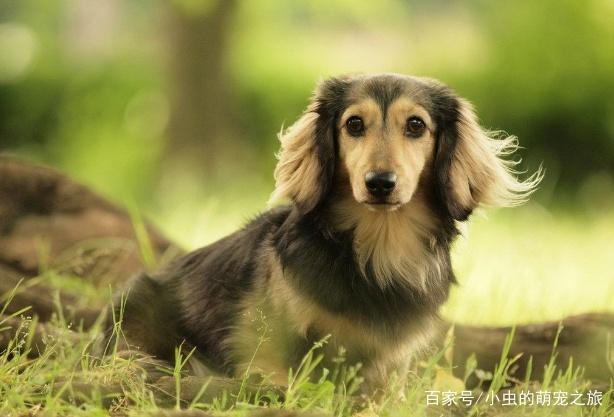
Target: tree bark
201	110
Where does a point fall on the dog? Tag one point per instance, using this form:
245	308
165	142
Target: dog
377	173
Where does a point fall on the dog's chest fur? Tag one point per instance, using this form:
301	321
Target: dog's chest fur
317	288
277	326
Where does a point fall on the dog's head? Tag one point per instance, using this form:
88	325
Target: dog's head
383	137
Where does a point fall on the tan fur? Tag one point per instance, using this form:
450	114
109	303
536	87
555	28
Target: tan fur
479	172
396	242
298	167
384	147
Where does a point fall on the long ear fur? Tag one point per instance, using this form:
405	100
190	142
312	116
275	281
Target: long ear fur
478	172
304	173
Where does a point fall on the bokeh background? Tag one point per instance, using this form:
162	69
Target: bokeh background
173	107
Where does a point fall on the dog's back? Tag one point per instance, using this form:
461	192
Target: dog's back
195	300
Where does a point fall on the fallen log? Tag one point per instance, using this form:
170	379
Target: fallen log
583	339
49	221
42	210
39	204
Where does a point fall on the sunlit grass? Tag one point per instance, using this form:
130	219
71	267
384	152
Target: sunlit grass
529	264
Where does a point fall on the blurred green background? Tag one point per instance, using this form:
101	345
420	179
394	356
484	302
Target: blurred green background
174	106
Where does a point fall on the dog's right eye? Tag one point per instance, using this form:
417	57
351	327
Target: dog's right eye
355	126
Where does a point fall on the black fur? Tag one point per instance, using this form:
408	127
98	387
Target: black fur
209	284
384	90
446	111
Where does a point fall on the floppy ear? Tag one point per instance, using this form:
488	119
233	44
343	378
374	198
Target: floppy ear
306	165
472	168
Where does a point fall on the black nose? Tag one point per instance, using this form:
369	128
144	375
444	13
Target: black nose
380	184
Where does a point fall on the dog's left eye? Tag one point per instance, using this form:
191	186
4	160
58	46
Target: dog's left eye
415	127
355	126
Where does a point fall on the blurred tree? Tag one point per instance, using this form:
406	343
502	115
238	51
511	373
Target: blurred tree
29	91
201	104
548	78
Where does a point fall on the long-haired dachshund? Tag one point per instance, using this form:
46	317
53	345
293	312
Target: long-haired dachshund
378	172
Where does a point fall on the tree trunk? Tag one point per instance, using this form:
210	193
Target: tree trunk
201	110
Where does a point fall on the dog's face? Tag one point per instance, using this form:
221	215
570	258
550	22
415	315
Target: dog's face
385	141
381	135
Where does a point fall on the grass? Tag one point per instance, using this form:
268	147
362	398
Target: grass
529	264
52	384
520	265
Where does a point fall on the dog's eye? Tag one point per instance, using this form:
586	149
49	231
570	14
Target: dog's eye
355	126
415	127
